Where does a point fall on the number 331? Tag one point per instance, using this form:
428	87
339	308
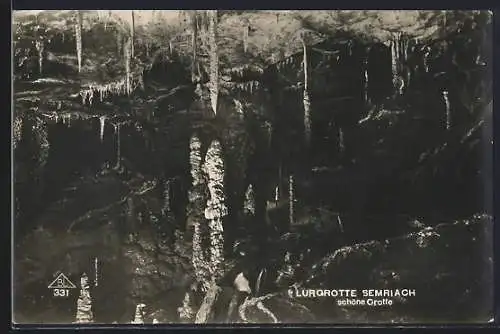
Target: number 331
61	292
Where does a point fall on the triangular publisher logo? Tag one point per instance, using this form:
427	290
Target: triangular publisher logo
61	282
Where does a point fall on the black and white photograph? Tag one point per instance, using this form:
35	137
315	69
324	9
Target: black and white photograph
182	167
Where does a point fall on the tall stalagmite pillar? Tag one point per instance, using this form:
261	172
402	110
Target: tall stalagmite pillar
84	312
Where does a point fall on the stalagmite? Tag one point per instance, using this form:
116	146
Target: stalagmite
186	312
239	107
17	130
258	283
40	47
291	193
102	124
200	264
249	205
84	312
42	141
195	160
96	272
206	310
287	272
139	314
216	208
242	284
78	35
447	110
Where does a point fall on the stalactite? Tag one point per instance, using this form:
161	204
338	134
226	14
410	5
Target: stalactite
394	60
78	35
40	47
341	141
291	196
400	49
447	110
127	55
118	146
139	314
102	124
249	205
404	48
214	60
307	102
113	88
147	47
216	208
166	196
277	191
194	46
246	29
119	43
426	54
349	47
365	82
396	51
132	33
269	129
84	312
